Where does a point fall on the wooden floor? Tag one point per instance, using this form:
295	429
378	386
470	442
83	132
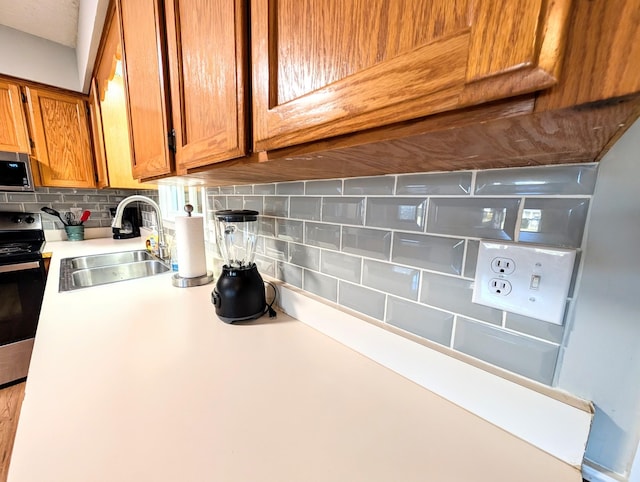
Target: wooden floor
10	403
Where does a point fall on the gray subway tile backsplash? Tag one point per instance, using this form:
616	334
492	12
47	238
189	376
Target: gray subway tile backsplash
275	248
454	294
574	179
557	222
305	256
253	203
98	201
343	210
332	187
267	226
264	189
370	185
533	327
399	280
493	218
235	202
302	207
472	258
276	206
430	252
244	189
364	300
532	358
322	234
289	230
290	188
373	243
290	274
320	285
420	320
411	262
449	183
396	213
340	265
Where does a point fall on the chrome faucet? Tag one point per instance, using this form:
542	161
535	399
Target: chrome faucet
162	251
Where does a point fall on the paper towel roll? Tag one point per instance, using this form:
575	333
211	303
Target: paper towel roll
191	254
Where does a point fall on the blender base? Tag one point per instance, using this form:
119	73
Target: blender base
239	295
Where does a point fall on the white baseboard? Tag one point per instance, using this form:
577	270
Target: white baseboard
556	427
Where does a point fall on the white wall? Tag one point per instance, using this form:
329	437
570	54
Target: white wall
33	58
602	357
91	18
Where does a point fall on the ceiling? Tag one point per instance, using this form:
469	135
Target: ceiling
54	20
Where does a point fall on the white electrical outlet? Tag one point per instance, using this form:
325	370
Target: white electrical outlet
530	280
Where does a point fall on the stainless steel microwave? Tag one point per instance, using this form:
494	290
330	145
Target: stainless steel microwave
15	172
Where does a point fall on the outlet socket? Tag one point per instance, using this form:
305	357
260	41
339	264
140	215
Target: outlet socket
502	265
530	280
499	286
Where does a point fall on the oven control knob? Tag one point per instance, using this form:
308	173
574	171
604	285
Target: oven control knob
16	219
29	219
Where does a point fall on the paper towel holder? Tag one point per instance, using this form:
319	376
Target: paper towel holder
182	282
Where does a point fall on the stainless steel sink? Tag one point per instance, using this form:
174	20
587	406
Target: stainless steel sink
100	269
108	259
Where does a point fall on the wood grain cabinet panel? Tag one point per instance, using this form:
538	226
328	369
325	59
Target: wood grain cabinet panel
323	68
13	127
144	53
102	174
108	105
206	58
60	131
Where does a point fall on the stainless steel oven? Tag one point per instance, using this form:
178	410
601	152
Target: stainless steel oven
22	282
15	172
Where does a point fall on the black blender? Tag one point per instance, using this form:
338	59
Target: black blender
239	294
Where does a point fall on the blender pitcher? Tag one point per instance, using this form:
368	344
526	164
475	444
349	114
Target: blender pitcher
239	293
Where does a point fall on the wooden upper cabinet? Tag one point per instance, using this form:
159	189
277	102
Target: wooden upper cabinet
13	127
323	68
207	64
102	175
60	131
143	52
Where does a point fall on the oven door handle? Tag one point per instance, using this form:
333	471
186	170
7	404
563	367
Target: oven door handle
19	267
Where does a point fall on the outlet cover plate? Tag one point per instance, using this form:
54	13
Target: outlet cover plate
539	283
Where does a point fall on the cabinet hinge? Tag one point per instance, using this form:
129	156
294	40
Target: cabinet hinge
24	97
172	140
32	144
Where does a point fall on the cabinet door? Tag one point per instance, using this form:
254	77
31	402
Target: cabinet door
61	134
13	127
207	56
143	52
102	176
111	108
322	68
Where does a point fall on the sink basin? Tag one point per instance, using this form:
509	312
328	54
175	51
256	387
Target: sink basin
100	269
110	274
108	259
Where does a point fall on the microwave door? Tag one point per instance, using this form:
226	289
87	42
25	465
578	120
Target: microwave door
15	172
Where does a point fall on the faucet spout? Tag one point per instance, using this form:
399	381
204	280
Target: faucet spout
117	220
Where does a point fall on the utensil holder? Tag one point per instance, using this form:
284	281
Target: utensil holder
74	233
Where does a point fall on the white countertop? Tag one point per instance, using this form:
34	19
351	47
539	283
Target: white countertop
139	381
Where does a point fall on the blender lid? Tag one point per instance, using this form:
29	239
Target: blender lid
236	215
